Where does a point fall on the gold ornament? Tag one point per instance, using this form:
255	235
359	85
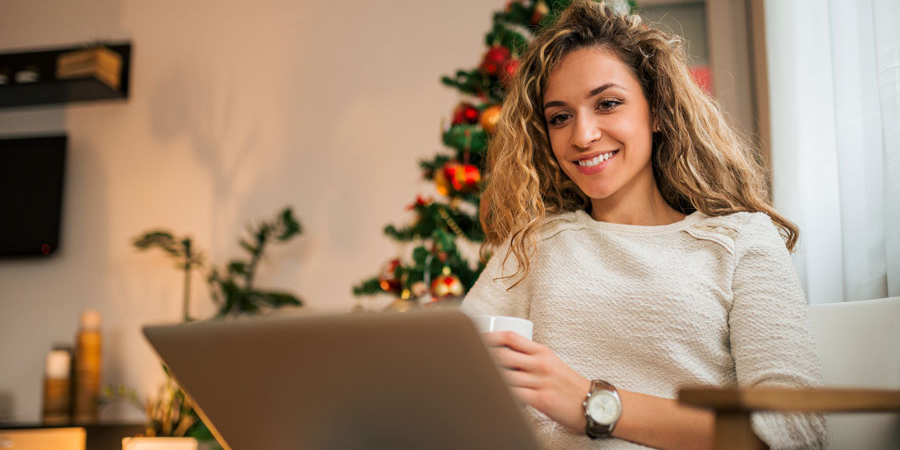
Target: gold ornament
489	118
442	184
540	10
446	285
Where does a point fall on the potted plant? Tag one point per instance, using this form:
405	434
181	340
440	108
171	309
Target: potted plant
233	291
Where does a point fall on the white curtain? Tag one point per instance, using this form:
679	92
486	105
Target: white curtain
834	77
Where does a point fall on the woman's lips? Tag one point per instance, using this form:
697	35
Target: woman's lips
596	168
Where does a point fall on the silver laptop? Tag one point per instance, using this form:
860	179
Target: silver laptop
415	381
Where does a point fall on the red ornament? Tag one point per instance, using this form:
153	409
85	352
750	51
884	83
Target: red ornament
509	70
388	280
420	201
494	59
446	285
465	113
462	178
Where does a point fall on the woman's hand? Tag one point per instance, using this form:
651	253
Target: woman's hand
539	378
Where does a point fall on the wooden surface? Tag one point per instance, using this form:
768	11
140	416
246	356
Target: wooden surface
48	438
795	400
94	436
734	432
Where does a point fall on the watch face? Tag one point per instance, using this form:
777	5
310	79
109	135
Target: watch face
604	407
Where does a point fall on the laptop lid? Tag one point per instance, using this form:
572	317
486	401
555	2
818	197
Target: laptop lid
421	380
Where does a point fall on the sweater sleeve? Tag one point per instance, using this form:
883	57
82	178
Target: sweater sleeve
490	293
769	332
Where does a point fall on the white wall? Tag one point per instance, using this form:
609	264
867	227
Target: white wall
236	110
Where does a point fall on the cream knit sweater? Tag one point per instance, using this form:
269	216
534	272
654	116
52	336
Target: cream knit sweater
707	300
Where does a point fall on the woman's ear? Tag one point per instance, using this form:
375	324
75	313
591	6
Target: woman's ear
654	121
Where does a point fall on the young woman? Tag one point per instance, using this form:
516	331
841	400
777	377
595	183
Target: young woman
631	224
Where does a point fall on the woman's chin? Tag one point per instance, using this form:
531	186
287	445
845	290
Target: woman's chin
597	193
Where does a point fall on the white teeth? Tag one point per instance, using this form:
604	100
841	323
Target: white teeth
594	161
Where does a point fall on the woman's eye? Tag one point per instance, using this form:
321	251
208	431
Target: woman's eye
608	104
558	119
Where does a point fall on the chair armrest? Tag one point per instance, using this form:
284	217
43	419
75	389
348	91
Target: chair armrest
791	400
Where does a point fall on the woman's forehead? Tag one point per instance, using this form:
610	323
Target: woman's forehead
587	68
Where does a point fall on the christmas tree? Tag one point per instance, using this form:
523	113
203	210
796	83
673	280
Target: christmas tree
437	272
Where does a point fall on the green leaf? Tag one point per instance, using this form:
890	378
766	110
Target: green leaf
232	296
277	299
237	268
161	239
370	286
466	137
506	37
420	254
247	245
290	226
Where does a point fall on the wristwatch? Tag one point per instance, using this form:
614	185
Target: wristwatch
602	408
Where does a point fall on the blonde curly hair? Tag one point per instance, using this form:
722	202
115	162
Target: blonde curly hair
699	162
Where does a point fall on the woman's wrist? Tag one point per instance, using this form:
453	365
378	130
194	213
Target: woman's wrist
577	422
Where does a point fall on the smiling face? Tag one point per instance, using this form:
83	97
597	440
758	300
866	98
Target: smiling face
600	126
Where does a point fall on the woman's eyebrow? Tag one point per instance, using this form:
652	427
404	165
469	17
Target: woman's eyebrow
600	89
593	92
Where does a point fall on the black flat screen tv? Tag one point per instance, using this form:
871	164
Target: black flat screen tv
31	193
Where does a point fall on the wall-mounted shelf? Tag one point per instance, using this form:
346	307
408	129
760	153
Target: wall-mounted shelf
50	90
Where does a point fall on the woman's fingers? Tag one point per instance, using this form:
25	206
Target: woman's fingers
520	379
512	340
525	395
511	359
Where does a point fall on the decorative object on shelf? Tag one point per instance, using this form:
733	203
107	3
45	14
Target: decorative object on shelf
29	74
71	392
96	71
98	61
88	367
57	406
234	293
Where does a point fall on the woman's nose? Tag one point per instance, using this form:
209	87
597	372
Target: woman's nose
586	132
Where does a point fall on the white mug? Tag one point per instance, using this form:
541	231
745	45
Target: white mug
489	323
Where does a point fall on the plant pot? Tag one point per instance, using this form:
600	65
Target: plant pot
159	443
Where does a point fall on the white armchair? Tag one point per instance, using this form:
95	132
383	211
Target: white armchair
858	345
